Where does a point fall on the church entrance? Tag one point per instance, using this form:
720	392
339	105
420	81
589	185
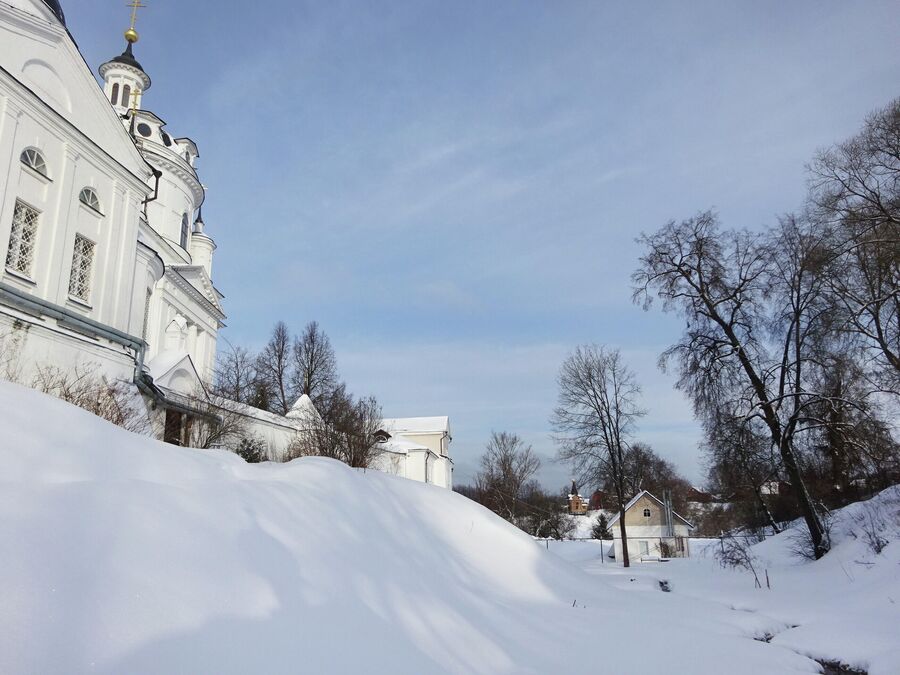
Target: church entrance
172	433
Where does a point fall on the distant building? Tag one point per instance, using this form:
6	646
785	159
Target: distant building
417	448
577	505
653	529
600	501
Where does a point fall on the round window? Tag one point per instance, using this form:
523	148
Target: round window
144	130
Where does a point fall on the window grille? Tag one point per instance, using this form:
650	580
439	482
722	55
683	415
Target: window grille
82	262
146	316
20	253
33	159
184	231
89	198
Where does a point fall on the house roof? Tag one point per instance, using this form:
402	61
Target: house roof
417	425
637	497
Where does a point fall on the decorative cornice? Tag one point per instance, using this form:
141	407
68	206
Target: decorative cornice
174	164
187	287
137	73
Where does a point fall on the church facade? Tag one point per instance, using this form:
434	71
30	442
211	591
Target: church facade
108	264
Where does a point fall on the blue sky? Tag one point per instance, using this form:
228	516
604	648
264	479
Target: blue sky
453	189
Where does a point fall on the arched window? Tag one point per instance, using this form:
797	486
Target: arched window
646	513
89	198
126	96
33	159
185	230
115	94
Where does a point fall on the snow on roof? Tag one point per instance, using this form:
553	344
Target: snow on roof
165	361
401	447
417	425
304	410
640	494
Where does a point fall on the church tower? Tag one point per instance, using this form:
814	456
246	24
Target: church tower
124	80
184	311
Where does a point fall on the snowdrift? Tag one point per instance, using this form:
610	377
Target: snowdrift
121	554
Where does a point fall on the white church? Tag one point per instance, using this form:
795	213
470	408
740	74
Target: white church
108	263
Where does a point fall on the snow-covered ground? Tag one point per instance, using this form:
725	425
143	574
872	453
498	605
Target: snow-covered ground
124	555
844	608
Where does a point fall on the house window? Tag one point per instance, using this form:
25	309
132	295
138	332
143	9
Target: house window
82	263
22	239
114	97
646	513
184	231
89	198
33	159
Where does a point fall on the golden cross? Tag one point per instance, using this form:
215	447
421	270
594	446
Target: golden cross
134	97
135	6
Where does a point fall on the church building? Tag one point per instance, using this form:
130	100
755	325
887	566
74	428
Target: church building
108	263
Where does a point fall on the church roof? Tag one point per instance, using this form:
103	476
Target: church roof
57	10
412	425
127	58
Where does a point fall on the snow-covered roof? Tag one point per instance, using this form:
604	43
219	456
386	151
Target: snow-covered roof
173	369
401	446
304	410
635	499
417	425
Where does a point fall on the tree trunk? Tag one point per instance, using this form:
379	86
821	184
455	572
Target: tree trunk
765	510
625	561
813	522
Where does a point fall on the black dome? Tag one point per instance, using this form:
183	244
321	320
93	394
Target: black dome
127	57
56	9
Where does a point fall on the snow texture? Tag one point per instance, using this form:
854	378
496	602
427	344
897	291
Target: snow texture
125	555
843	608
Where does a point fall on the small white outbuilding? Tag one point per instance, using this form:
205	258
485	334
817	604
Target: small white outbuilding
653	529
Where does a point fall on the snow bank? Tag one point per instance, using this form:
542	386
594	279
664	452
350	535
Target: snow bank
124	555
843	608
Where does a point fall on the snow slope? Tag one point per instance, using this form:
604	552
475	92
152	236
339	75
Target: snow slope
843	608
124	555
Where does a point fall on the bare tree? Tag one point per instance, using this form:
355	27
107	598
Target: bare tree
507	466
741	460
236	377
855	195
754	321
274	367
347	433
314	368
595	417
216	423
643	469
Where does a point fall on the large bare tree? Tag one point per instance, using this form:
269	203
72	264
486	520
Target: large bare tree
594	420
756	322
855	195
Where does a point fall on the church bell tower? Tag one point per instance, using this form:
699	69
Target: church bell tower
124	80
